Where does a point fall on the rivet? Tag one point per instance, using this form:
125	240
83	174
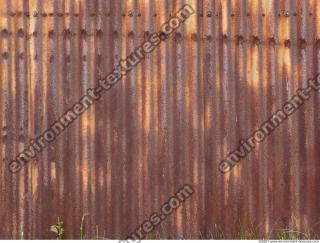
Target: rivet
286	14
256	40
5	55
146	34
225	37
209	14
51	34
194	36
131	34
21	55
177	36
240	39
4	33
99	33
35	14
287	43
115	34
130	14
163	36
67	33
272	41
303	43
20	33
83	34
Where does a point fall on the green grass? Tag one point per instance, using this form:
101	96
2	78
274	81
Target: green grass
293	235
58	229
249	233
154	236
252	233
81	226
216	233
246	235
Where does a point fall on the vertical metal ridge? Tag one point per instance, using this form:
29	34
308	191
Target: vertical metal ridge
169	122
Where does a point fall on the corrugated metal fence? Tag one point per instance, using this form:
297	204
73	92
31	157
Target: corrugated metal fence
168	123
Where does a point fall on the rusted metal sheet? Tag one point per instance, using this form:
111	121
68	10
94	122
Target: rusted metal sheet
168	123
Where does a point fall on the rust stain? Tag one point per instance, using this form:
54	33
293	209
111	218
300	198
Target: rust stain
168	123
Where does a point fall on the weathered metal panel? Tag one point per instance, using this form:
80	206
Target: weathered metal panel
169	122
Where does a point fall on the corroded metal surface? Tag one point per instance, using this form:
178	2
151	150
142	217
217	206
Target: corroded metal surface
168	123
